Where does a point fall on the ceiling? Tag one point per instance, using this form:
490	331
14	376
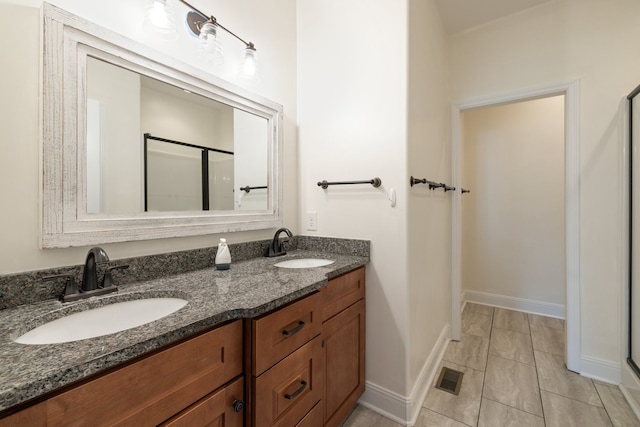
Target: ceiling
461	15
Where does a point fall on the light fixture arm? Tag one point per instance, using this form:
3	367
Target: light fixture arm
249	45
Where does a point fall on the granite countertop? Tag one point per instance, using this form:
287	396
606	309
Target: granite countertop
250	288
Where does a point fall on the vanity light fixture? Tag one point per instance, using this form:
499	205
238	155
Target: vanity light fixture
209	45
249	68
159	19
206	28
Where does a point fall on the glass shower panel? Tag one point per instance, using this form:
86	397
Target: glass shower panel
174	177
221	181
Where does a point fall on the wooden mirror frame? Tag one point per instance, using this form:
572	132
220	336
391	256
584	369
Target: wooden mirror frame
67	40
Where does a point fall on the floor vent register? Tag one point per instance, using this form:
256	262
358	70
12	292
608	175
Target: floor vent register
450	380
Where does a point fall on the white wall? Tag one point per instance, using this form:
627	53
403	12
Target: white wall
560	41
187	119
270	24
117	90
250	171
372	96
513	218
352	126
429	213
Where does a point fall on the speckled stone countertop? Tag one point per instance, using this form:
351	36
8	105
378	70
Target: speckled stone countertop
250	288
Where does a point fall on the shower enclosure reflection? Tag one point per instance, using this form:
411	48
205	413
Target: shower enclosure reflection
184	177
197	153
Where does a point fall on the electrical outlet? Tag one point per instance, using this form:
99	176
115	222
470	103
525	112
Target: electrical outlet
312	221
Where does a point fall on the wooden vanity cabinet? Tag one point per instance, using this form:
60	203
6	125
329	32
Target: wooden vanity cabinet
343	333
157	388
313	417
281	332
303	366
313	351
219	408
286	364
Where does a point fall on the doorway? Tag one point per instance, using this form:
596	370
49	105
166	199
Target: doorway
572	292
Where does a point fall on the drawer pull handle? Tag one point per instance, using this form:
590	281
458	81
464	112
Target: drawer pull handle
293	330
303	385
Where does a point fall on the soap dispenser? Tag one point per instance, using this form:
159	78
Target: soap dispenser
223	256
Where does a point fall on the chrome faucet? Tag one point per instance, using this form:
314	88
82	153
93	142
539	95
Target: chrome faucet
90	276
276	248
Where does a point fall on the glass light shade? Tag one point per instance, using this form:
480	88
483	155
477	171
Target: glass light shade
159	19
209	45
249	70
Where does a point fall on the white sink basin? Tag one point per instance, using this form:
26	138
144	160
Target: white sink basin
304	263
100	321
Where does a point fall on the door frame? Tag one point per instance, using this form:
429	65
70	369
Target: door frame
571	91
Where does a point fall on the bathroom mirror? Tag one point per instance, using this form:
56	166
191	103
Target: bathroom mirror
634	230
137	145
178	147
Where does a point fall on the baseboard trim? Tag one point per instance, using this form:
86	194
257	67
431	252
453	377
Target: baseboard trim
513	303
402	409
589	367
630	400
427	375
385	402
601	370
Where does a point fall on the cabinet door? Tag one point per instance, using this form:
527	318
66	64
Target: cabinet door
344	356
217	409
313	418
285	393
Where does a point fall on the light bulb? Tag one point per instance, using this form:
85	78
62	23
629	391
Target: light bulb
249	70
159	19
209	45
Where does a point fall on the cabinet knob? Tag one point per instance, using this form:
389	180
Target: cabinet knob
238	405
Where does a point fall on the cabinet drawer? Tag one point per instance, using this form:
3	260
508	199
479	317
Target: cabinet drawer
313	418
286	392
341	292
278	334
148	391
215	409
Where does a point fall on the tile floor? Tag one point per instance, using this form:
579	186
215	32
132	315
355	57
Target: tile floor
514	375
